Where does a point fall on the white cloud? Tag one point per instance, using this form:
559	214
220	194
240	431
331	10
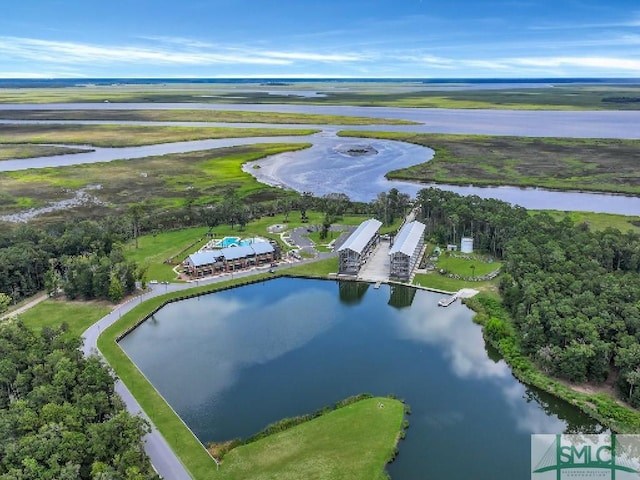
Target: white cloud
600	63
162	51
78	53
316	57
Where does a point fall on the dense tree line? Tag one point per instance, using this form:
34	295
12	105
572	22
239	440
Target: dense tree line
574	294
59	416
82	258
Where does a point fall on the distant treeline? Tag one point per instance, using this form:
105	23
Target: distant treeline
621	99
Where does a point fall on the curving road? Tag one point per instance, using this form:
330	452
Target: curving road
166	463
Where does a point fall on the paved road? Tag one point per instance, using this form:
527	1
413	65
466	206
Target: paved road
166	463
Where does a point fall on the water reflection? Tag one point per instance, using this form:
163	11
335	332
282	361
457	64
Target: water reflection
401	296
232	362
450	328
352	293
227	336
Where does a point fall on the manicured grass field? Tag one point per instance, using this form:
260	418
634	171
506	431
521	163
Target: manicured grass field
598	221
440	282
603	165
153	250
319	269
351	443
129	135
223	116
160	182
29	151
462	266
77	315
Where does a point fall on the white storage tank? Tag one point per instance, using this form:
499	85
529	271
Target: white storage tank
466	245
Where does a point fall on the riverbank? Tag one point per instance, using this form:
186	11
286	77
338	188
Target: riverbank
500	334
563	164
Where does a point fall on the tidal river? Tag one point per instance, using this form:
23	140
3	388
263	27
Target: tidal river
325	168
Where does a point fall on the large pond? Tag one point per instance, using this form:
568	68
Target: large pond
231	362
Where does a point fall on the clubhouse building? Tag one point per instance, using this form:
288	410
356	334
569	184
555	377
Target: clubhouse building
230	259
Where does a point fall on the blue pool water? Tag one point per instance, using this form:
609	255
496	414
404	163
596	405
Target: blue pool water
231	241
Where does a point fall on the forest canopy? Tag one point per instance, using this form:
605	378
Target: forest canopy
59	415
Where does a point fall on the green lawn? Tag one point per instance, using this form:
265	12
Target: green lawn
320	269
598	221
462	266
77	315
440	282
351	443
153	250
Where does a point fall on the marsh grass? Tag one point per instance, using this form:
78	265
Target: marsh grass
129	135
172	115
9	152
558	97
601	165
160	182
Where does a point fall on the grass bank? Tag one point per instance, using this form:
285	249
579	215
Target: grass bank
8	152
600	165
353	442
223	116
129	135
498	331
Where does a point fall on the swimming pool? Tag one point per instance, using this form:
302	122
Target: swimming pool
228	242
236	242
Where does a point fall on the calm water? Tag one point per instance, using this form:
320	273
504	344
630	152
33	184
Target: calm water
234	361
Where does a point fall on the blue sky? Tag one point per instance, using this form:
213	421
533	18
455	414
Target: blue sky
308	38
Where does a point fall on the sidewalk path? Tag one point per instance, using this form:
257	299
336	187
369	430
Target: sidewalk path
25	307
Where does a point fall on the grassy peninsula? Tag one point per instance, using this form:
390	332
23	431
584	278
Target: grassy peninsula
186	115
129	135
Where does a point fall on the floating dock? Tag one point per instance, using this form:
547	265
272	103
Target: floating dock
464	293
445	302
